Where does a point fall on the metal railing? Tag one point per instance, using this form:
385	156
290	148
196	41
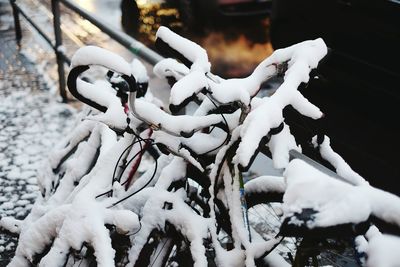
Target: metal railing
125	40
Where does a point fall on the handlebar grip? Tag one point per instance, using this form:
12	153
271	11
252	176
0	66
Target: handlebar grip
73	87
189	53
71	84
81	62
93	55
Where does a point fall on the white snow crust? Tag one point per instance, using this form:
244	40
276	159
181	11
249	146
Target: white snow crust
94	55
190	50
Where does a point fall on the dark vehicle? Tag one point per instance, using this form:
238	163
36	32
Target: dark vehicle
358	85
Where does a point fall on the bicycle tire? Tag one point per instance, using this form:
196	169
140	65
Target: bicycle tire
166	247
302	250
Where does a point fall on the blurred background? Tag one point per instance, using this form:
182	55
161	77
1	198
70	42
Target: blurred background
235	33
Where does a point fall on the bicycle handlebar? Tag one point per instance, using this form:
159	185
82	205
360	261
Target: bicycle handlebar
81	62
189	53
93	55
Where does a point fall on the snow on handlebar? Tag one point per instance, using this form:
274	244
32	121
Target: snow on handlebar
93	55
190	53
301	59
100	96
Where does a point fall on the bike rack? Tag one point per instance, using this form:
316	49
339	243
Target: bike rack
125	40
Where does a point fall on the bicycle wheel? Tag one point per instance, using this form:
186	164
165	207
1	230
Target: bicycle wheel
299	247
166	247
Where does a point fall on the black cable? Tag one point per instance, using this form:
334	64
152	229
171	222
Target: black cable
116	166
140	151
148	182
105	193
212	129
140	139
140	227
124	168
129	162
228	136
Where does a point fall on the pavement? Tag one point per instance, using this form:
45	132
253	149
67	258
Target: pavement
32	120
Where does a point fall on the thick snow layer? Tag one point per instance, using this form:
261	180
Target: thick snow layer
10	224
186	221
174	171
230	90
383	251
335	201
265	184
190	50
280	144
102	93
301	59
78	165
81	214
175	125
188	86
199	143
169	67
341	166
139	71
93	55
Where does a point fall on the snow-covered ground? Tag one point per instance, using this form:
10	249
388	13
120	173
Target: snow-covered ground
32	120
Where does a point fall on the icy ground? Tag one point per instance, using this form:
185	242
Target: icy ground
31	122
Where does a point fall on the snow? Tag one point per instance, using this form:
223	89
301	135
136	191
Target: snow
341	166
139	71
191	225
199	143
265	184
335	201
302	58
90	55
176	125
186	87
169	67
384	251
33	121
280	144
103	94
190	50
10	224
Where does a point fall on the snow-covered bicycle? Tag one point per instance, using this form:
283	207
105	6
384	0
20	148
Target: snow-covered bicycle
191	205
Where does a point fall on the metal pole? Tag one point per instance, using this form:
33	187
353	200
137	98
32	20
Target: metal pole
55	8
133	45
18	32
